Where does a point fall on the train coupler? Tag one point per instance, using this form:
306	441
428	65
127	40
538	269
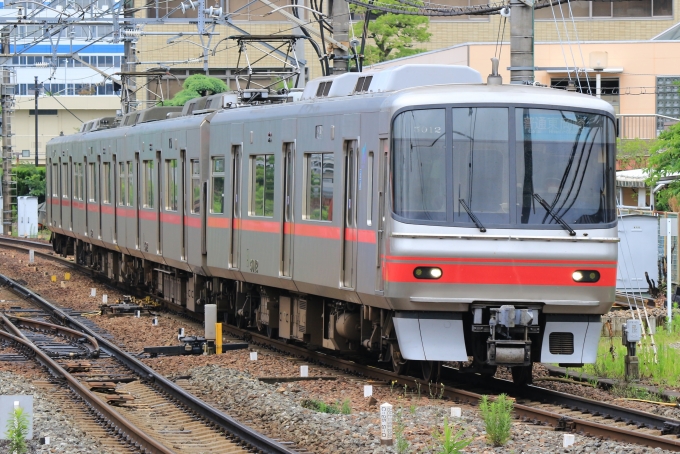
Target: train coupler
508	352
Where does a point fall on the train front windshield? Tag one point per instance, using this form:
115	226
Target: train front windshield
503	167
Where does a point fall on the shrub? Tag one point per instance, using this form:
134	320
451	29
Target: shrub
401	445
497	417
17	431
323	407
448	442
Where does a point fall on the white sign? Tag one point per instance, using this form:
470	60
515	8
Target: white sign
386	422
304	371
568	440
368	390
93	292
105	299
31	256
253	356
456	412
155	320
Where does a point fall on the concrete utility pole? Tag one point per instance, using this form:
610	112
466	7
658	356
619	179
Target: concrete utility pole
521	41
37	92
340	21
129	66
6	97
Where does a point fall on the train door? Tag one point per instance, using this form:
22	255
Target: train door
69	192
183	204
159	201
235	206
99	186
287	212
383	172
136	205
114	201
350	228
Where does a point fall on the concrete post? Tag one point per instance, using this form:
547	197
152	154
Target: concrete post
521	42
340	15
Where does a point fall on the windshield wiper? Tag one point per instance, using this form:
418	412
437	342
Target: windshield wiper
557	218
472	216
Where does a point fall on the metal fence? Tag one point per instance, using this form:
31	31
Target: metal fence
643	126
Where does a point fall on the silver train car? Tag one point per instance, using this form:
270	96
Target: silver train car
414	214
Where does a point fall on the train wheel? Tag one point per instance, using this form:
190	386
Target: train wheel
398	363
272	333
430	370
522	375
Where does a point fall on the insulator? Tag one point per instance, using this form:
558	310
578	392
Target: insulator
132	33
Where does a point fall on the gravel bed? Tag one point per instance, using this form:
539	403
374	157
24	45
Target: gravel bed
49	419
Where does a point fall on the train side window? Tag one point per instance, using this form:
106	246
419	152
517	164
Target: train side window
92	183
195	187
55	180
262	188
369	189
77	181
171	183
64	180
131	185
106	175
217	205
319	186
122	176
148	184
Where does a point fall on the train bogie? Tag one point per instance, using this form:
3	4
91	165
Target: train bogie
427	224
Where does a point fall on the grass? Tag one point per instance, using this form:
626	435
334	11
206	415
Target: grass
664	372
322	407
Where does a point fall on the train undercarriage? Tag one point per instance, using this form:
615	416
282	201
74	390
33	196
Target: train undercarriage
493	335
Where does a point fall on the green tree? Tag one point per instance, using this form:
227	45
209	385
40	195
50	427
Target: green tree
194	87
664	161
393	35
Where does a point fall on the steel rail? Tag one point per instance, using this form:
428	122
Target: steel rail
198	406
92	345
121	425
524	412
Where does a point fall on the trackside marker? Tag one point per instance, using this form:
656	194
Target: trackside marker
93	292
105	299
568	440
304	371
456	412
31	256
253	356
368	390
386	424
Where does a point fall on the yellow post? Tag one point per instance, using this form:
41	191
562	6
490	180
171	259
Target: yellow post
67	276
218	338
54	278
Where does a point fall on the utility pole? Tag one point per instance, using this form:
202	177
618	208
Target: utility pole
340	21
6	98
521	41
129	59
37	92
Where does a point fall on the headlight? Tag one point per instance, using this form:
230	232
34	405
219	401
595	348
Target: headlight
427	272
586	276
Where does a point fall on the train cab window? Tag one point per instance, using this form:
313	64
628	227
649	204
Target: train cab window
195	186
262	187
131	186
217	200
148	196
106	183
481	164
64	180
419	162
122	177
92	182
319	186
171	185
564	158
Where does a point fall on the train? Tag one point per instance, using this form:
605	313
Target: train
412	214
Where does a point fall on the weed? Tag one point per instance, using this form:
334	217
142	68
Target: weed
429	390
441	390
405	390
346	407
594	383
627	391
320	406
447	442
392	383
401	444
418	389
17	431
412	408
497	417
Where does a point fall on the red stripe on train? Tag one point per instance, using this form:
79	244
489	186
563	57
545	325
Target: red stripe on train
192	221
393	258
147	215
259	226
219	222
497	274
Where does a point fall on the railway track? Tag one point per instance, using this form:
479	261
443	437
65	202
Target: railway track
533	404
142	409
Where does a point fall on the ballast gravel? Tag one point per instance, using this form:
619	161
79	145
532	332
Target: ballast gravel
49	420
